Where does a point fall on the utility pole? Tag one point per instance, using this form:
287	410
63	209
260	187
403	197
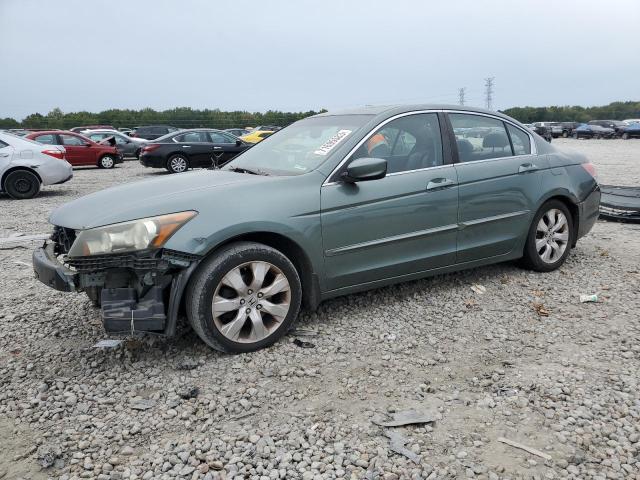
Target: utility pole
488	85
461	95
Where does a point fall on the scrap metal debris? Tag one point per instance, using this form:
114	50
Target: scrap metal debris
521	446
397	443
407	417
540	309
303	344
142	404
479	289
620	204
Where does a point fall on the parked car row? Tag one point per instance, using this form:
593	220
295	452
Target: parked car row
625	129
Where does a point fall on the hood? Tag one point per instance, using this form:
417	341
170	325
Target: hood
167	194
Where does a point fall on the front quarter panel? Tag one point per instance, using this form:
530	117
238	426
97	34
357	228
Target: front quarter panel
288	206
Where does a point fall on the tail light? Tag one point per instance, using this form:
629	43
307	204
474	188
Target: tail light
54	153
590	168
150	148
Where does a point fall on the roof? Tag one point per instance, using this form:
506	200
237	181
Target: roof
389	110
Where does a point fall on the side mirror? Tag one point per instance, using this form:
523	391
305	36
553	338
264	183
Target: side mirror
363	169
238	143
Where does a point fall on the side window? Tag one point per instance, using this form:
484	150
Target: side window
3	144
47	139
71	140
520	141
96	137
119	140
408	143
220	138
479	137
158	131
193	137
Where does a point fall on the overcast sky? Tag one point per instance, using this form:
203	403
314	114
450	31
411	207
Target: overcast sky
300	55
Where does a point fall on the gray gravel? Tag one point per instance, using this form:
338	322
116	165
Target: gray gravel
486	365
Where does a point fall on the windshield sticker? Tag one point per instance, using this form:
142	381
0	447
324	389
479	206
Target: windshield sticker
330	144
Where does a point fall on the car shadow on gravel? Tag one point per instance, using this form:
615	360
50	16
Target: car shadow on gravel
40	196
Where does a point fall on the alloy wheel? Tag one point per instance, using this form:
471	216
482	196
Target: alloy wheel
178	164
107	161
552	236
22	185
251	302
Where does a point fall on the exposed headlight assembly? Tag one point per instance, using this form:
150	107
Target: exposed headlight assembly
152	232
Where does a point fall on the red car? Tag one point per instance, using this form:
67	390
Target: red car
81	151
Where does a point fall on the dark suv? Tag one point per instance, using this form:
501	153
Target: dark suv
152	132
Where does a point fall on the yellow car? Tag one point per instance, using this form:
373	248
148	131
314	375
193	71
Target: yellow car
256	136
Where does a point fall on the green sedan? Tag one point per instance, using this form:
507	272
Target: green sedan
333	204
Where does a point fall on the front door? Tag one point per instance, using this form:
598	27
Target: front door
224	147
197	147
79	152
402	224
500	183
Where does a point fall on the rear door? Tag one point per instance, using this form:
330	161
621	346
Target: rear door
500	181
402	224
197	147
78	151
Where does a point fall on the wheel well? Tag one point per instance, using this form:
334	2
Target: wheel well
295	253
575	214
4	176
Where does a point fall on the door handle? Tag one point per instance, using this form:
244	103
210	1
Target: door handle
437	183
186	146
527	167
217	148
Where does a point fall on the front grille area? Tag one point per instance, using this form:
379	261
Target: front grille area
63	238
96	263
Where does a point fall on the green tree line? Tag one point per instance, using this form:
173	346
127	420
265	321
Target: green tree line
178	117
613	111
185	117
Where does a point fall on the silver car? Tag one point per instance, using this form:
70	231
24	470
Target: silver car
127	146
26	165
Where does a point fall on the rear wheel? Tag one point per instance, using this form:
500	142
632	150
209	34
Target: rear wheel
177	164
22	184
550	237
244	298
107	161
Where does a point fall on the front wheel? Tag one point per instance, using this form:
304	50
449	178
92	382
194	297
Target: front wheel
22	184
107	161
244	297
549	238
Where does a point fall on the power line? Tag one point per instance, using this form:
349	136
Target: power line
461	95
488	85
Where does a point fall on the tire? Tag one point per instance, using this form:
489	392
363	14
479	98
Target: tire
137	153
22	184
177	164
536	246
107	161
232	328
565	134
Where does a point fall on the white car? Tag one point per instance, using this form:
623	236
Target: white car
26	165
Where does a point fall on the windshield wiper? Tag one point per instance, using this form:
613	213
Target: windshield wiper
247	170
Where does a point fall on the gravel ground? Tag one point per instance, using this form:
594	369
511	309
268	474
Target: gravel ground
524	360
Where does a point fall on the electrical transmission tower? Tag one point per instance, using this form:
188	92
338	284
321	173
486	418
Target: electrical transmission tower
461	95
488	85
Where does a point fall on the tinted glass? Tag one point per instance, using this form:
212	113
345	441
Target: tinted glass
217	137
407	143
3	145
192	137
520	141
302	146
96	137
71	140
47	139
479	138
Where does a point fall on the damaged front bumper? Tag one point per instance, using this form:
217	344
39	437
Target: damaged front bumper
138	292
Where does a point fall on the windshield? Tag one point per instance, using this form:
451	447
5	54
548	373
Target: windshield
301	147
